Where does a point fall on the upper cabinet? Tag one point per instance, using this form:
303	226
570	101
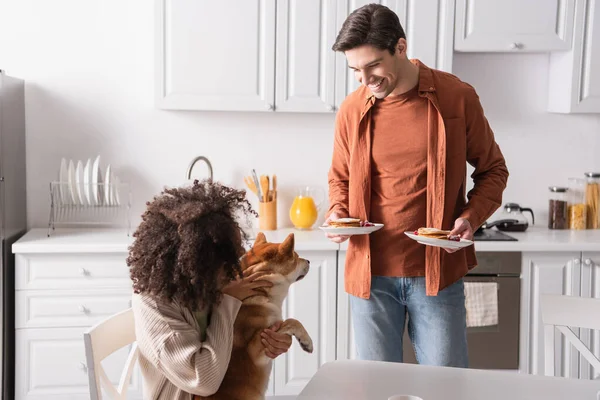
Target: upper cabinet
275	55
574	78
428	25
305	63
215	55
513	25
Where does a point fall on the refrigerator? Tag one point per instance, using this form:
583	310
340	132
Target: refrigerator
13	215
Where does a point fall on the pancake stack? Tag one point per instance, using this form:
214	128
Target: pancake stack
433	233
345	223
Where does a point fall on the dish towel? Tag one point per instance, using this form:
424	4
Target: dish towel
481	302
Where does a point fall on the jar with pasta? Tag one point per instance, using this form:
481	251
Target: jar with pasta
557	208
592	199
576	207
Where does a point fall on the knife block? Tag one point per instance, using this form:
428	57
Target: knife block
267	215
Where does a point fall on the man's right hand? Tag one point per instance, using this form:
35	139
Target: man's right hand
333	237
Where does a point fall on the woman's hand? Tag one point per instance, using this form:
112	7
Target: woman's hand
247	286
275	343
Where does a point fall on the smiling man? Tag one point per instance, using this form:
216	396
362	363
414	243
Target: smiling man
402	143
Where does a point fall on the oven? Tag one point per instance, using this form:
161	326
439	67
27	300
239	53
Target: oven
493	347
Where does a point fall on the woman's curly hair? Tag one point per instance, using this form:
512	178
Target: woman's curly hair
188	242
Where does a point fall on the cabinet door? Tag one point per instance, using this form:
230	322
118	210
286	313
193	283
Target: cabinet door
346	348
215	55
590	287
305	62
548	273
513	25
428	25
311	301
50	364
574	76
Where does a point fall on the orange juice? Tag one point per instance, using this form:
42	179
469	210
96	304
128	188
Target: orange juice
303	212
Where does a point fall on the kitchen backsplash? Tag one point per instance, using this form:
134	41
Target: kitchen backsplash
99	100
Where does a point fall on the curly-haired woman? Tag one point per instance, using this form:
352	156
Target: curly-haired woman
188	288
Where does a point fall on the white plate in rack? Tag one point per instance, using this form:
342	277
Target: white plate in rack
72	184
63	184
87	184
107	188
96	181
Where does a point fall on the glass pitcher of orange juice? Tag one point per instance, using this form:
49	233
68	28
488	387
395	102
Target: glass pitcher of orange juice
305	209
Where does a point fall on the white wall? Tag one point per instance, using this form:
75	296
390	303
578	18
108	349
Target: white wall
89	68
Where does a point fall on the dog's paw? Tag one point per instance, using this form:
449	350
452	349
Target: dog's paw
306	344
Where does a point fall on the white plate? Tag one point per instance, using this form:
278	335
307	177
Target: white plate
73	184
449	244
107	188
96	180
363	230
87	190
63	178
79	183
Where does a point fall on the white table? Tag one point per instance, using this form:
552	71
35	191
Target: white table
371	380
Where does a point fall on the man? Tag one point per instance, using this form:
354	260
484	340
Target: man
402	142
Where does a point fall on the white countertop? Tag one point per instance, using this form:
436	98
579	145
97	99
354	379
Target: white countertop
541	239
369	380
117	241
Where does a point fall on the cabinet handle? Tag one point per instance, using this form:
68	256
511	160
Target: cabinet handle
84	272
516	46
331	107
588	261
270	107
576	261
83	366
84	309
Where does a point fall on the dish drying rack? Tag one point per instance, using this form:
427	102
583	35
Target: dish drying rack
89	204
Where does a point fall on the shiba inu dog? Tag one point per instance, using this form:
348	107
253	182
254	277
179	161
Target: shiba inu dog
249	369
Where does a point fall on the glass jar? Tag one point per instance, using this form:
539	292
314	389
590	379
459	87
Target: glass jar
576	209
592	199
557	208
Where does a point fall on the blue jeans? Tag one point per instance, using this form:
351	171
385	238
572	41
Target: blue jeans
436	324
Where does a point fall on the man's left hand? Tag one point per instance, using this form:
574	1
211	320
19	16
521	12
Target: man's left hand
462	228
275	343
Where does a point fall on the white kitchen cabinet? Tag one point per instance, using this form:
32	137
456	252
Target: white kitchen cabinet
590	287
346	348
305	65
574	76
58	295
547	273
428	25
50	364
514	25
215	55
312	301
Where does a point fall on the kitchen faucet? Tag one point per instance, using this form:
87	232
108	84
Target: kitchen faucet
194	161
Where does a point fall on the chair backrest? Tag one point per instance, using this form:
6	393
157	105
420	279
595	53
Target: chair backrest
563	313
103	339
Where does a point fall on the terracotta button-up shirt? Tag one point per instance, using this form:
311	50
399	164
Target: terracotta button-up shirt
457	133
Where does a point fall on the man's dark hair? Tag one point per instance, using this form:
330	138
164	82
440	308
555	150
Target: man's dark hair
374	25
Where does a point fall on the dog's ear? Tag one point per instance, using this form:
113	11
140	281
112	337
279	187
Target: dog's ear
287	247
260	239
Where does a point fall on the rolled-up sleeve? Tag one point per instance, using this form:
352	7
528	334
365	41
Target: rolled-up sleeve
490	173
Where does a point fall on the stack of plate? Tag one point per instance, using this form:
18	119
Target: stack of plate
84	185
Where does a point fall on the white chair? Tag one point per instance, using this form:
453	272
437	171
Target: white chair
563	313
103	339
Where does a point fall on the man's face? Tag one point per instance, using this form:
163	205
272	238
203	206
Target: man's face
376	69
